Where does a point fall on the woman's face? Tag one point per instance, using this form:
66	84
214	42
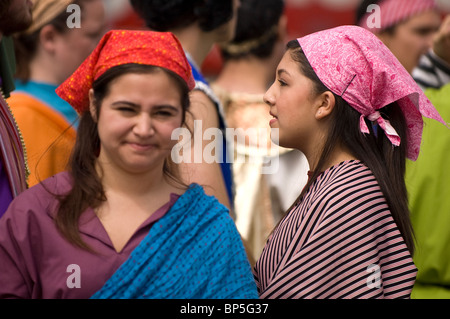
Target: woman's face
136	121
291	101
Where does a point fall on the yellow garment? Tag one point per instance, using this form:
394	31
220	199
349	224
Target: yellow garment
260	199
48	137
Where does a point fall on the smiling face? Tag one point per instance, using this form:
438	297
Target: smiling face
292	104
136	121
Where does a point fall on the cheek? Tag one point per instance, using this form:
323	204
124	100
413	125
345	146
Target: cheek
111	128
166	130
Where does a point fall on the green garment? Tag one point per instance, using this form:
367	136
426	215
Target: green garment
7	65
428	183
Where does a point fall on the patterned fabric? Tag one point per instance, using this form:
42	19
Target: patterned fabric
339	242
118	47
193	252
395	11
353	63
12	152
432	71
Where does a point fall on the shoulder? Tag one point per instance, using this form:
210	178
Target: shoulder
347	189
199	205
40	199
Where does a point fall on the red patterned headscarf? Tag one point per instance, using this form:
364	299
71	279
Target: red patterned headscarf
118	47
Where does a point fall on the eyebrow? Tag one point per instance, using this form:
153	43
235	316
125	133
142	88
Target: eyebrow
157	107
281	71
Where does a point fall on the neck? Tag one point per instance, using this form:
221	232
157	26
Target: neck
338	155
130	184
196	42
250	75
44	69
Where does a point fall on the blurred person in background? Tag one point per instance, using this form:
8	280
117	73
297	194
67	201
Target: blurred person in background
47	53
249	63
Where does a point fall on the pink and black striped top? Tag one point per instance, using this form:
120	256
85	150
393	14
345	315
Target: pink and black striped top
339	242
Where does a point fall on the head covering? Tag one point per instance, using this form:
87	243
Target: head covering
393	12
354	64
45	11
118	47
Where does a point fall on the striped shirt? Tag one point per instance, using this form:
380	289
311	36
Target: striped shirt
339	242
432	72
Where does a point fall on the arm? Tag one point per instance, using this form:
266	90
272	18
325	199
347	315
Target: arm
206	174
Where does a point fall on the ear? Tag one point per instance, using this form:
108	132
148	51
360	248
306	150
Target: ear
92	105
326	102
47	38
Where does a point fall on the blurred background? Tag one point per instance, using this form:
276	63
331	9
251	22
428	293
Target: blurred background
304	17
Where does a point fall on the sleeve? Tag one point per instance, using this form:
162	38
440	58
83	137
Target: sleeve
14	278
355	251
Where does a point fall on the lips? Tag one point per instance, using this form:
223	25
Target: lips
273	120
142	147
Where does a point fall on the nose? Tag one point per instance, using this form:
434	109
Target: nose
269	97
144	126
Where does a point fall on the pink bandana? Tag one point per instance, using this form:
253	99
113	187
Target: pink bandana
353	63
393	12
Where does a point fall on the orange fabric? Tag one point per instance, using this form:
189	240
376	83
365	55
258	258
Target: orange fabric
48	137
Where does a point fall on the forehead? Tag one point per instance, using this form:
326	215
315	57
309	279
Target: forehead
425	20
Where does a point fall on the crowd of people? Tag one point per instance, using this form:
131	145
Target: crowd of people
309	167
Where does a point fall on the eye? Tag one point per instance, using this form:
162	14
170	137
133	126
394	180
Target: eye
126	109
281	82
165	111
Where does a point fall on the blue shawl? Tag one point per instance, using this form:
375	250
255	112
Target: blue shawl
193	252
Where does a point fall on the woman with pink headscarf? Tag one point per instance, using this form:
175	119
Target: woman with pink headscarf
343	99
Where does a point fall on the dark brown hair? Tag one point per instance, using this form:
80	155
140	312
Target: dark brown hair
87	190
386	162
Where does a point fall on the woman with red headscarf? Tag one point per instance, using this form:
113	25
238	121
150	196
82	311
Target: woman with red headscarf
121	223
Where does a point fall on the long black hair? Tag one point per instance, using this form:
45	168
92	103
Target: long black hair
386	162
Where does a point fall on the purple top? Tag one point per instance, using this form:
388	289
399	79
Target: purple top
5	190
37	262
